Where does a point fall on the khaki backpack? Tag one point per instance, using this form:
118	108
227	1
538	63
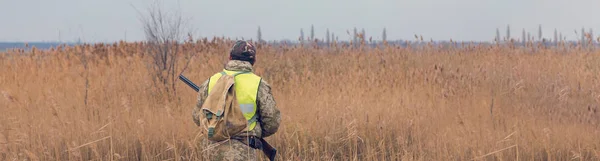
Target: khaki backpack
223	117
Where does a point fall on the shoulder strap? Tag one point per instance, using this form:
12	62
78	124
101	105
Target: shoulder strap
238	73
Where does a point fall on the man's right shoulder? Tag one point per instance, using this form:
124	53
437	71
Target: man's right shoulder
203	88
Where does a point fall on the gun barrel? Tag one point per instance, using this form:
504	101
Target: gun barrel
189	83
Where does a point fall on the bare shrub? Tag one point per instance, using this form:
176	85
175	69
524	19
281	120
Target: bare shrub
164	31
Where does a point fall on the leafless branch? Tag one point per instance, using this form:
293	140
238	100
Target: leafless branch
164	33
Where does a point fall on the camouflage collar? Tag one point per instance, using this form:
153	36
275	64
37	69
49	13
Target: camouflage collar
237	65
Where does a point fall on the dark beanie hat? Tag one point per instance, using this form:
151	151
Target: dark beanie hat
244	51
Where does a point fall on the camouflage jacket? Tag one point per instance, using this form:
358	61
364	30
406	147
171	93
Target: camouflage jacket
269	117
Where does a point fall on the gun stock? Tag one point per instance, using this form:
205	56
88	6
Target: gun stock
268	150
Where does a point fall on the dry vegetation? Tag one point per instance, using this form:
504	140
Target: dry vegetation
391	103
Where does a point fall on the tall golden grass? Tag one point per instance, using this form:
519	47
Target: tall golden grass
386	103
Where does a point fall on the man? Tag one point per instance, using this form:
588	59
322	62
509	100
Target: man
241	59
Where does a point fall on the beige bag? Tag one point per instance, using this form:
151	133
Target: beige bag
223	117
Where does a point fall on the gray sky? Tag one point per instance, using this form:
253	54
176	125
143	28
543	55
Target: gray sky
112	20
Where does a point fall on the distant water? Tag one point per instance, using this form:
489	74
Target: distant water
21	45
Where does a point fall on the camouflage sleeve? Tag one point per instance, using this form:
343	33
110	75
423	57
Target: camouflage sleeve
202	94
269	114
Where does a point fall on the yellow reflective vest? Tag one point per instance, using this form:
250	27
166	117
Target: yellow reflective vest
246	90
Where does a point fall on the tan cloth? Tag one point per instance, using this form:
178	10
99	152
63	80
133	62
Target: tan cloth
222	103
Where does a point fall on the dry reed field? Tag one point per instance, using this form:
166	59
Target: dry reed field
339	103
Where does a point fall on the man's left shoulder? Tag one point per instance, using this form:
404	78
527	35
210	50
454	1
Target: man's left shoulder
264	83
264	86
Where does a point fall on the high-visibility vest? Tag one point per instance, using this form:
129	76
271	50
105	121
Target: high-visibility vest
246	90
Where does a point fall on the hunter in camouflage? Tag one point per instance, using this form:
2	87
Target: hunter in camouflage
242	58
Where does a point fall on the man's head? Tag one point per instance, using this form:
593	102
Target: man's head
243	51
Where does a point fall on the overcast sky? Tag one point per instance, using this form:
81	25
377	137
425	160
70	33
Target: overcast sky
113	20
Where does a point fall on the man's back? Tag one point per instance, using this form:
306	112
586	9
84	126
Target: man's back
267	114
